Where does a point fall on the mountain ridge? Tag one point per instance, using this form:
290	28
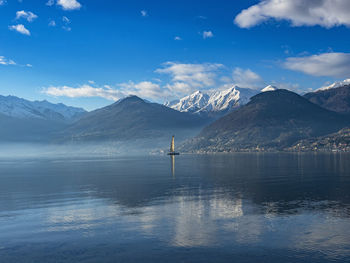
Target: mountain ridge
133	118
213	104
16	107
271	120
336	99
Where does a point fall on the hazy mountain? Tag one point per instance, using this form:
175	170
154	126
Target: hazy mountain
33	121
216	103
271	120
12	106
133	118
336	98
18	130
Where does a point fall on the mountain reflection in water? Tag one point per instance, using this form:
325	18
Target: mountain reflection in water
250	207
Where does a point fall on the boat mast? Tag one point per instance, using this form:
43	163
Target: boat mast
172	145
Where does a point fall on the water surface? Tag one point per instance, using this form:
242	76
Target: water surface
210	208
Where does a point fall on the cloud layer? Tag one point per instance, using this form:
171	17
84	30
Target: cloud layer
83	91
325	13
180	79
326	64
144	89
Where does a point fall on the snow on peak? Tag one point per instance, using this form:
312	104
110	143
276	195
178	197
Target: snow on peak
191	103
224	100
269	88
335	85
20	108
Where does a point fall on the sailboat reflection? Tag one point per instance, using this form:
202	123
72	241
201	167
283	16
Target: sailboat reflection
172	160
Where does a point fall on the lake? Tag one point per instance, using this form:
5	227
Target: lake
192	208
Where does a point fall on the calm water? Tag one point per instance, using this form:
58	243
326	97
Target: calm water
224	208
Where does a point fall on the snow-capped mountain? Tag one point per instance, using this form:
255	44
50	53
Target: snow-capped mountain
269	88
20	108
219	101
336	85
191	103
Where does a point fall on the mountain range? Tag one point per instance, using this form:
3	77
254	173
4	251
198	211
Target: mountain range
272	120
24	109
234	119
214	104
33	121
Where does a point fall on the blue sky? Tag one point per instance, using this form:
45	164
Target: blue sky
98	51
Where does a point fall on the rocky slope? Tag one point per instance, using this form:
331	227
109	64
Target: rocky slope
335	99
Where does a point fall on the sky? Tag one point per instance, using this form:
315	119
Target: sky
90	53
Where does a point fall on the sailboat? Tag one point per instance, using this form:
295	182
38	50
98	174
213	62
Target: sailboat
172	147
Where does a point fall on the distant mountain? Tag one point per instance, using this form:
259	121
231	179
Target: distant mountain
192	103
133	118
15	107
335	142
336	98
19	130
337	84
33	121
272	120
217	103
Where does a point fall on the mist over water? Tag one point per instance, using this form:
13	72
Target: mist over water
250	207
83	149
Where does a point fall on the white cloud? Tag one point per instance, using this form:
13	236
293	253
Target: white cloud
67	28
208	34
177	38
2	2
144	89
189	77
50	2
20	28
69	4
144	13
52	23
29	16
65	20
326	64
179	89
4	61
83	91
246	78
326	13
